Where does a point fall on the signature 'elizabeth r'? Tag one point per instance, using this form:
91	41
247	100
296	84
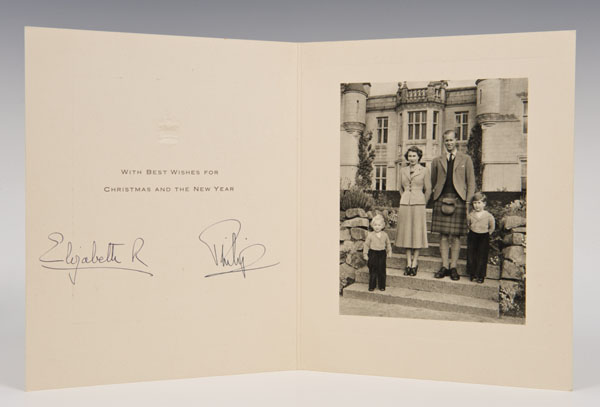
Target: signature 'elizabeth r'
94	258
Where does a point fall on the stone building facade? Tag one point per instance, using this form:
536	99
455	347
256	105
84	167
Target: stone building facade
419	116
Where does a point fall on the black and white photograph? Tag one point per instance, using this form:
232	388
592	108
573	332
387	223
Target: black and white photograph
433	188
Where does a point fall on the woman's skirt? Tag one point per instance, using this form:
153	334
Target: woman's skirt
412	227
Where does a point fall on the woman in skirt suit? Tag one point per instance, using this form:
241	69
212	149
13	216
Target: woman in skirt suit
415	189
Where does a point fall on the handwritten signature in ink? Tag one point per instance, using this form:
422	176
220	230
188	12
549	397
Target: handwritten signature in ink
221	239
73	262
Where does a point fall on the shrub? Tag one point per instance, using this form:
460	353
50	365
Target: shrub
366	155
392	220
356	198
517	207
382	200
512	300
474	150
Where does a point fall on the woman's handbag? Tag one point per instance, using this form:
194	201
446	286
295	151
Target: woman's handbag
448	206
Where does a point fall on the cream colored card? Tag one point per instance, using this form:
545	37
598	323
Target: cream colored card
183	210
137	147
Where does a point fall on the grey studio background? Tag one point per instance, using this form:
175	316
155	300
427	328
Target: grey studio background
300	21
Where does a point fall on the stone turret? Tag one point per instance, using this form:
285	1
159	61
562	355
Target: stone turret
500	106
353	111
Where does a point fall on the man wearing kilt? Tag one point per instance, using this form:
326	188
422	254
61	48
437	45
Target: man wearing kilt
453	180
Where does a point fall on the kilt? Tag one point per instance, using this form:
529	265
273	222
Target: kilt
455	224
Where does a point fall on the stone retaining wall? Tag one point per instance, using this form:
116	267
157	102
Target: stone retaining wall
512	282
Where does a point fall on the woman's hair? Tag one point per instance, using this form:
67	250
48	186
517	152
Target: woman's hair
479	196
414	149
378	217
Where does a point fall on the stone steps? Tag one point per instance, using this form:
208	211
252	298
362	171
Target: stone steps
433	250
432	264
435	238
425	281
444	295
431	237
424	290
425	299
